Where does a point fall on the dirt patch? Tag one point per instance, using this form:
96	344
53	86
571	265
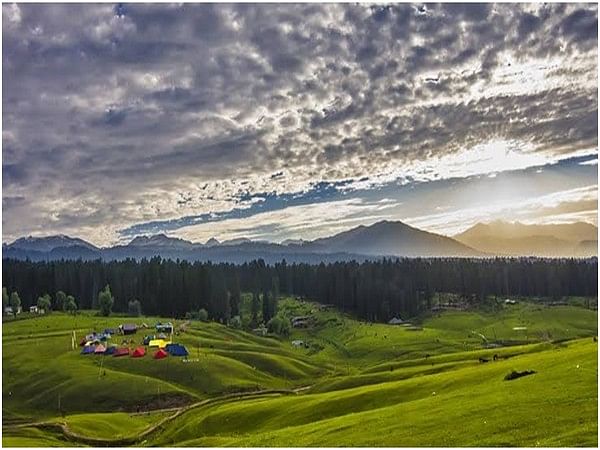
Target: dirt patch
514	374
163	401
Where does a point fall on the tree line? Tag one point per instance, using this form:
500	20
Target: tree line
373	290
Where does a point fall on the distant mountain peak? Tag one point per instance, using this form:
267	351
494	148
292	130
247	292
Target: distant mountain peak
158	240
212	242
48	243
500	237
393	238
236	241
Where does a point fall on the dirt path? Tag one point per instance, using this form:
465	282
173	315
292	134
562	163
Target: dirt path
72	436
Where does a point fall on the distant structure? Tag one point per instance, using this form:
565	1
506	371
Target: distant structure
300	321
396	321
166	328
260	331
128	328
9	311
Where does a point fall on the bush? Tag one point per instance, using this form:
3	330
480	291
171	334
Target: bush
106	301
203	315
70	305
235	322
43	303
279	325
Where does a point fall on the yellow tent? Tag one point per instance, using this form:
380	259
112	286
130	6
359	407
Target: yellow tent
160	343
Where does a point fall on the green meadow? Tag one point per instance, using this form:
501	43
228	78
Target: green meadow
438	382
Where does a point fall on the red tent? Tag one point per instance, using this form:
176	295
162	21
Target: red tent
100	349
121	351
139	352
160	354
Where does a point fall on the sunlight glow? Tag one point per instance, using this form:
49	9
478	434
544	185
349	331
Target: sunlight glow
491	157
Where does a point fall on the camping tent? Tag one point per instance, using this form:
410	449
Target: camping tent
100	349
110	350
160	354
147	339
161	336
121	351
82	342
139	352
129	328
176	350
164	327
88	349
160	343
396	321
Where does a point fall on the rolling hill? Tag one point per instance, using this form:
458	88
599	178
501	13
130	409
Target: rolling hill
348	386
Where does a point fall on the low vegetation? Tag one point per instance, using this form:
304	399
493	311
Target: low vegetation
338	381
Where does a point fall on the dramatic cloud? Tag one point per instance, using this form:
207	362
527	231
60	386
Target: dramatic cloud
128	119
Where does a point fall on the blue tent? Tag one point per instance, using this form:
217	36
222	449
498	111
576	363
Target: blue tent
176	350
110	350
88	349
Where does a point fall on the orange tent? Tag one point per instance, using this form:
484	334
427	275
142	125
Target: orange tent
160	354
139	352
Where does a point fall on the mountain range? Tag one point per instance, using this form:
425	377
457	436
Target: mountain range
501	238
386	238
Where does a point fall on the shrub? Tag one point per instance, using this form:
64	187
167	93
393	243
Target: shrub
106	301
279	325
203	315
235	322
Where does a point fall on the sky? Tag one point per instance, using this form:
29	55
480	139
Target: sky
287	121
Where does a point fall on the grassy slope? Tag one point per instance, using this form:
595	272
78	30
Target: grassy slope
39	366
468	406
365	376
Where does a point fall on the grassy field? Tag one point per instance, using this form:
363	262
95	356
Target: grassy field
352	384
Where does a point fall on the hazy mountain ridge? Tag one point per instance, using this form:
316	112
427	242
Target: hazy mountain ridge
577	239
384	238
393	238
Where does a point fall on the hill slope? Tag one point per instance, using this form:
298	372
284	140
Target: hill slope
349	387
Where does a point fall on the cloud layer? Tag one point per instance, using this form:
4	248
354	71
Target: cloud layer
116	117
